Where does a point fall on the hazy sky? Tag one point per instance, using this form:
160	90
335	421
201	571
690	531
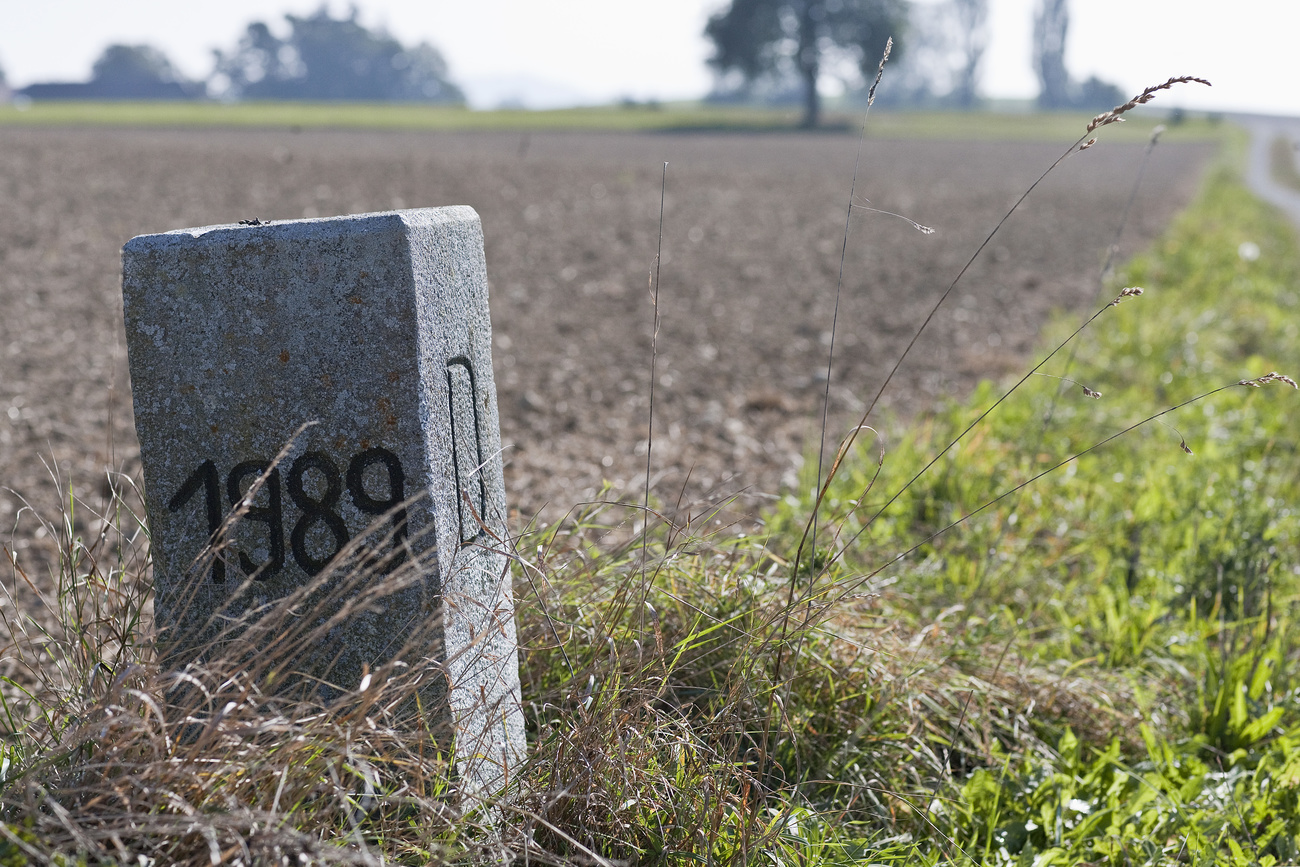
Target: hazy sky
597	50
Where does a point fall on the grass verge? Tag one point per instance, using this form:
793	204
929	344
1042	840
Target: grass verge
1118	637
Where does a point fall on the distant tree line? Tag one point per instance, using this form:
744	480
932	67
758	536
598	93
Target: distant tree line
324	58
321	58
779	51
769	51
123	72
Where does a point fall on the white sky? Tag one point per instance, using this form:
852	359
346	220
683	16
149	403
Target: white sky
598	50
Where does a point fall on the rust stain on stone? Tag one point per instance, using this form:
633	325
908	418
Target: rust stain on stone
284	356
385	407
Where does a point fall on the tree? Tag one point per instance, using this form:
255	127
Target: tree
1051	23
1056	88
971	20
137	72
123	72
132	66
327	58
256	67
945	49
1097	94
781	39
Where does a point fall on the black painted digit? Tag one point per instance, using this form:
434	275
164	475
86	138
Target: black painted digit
204	477
316	510
466	449
272	514
396	492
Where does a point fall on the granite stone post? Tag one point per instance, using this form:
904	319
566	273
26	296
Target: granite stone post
374	331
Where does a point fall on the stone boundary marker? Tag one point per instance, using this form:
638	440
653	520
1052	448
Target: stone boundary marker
375	329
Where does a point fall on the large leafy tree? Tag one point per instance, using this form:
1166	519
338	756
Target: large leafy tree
137	72
330	58
796	38
121	72
1051	24
1056	89
133	63
971	20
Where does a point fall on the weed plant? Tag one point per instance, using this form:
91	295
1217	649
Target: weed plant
1068	639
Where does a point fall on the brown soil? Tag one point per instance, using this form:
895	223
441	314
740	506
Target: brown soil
753	227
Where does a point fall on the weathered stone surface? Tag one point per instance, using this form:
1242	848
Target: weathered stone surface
374	330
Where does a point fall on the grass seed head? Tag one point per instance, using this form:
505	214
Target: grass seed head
1269	377
1129	292
880	70
1114	115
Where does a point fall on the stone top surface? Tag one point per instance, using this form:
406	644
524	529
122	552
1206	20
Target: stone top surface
309	225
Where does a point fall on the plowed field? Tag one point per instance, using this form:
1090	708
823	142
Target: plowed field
753	229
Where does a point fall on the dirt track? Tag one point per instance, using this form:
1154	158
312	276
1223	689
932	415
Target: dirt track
752	238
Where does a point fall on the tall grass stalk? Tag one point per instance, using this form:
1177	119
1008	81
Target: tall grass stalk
654	362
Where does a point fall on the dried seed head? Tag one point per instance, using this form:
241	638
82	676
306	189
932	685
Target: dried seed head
1269	377
1130	292
924	230
1182	440
880	70
1095	395
1089	143
1113	116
